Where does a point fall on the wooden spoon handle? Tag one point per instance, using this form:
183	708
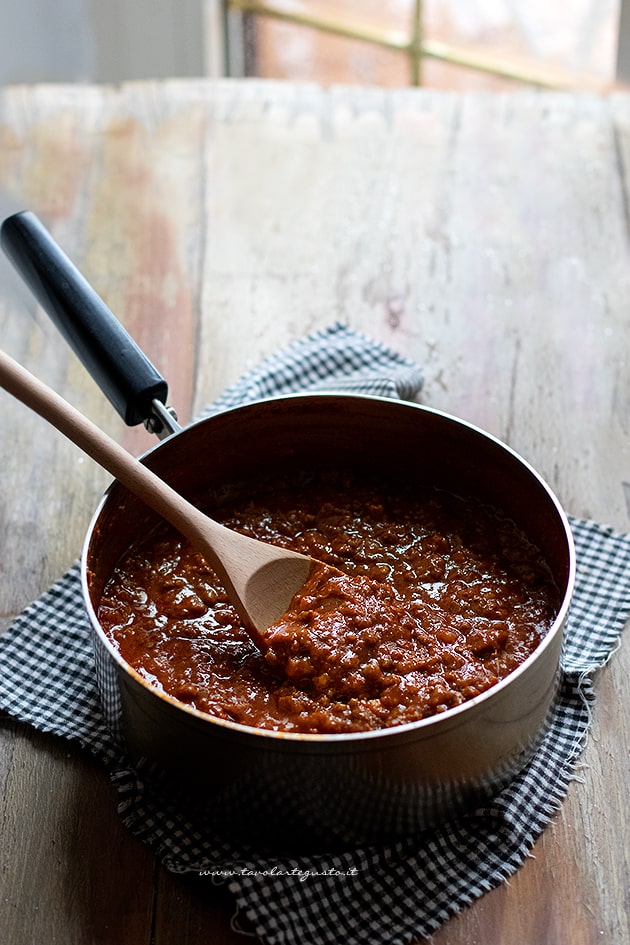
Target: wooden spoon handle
105	451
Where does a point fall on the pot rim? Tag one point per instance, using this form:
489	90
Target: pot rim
339	738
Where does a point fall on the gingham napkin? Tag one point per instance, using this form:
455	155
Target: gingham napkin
377	895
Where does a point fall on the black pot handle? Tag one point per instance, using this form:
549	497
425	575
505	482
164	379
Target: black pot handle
123	372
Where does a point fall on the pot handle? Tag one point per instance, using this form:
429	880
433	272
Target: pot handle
117	364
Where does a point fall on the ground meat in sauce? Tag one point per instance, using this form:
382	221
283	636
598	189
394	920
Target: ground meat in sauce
439	598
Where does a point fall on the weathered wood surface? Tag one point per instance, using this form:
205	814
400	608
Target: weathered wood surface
484	236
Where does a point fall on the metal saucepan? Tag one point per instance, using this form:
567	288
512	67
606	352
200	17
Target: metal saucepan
280	788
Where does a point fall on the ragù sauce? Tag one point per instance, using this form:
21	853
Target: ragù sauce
438	598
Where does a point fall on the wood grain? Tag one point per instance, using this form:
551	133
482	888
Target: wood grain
485	236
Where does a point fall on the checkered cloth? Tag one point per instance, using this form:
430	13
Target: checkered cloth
378	895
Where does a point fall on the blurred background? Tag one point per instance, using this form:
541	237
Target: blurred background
450	44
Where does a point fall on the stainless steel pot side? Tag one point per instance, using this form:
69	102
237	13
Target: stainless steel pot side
333	789
283	789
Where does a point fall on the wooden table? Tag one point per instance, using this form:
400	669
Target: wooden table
485	237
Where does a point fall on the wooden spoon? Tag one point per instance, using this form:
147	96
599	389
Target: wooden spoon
260	579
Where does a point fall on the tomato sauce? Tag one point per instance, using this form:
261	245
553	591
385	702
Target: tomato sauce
434	599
